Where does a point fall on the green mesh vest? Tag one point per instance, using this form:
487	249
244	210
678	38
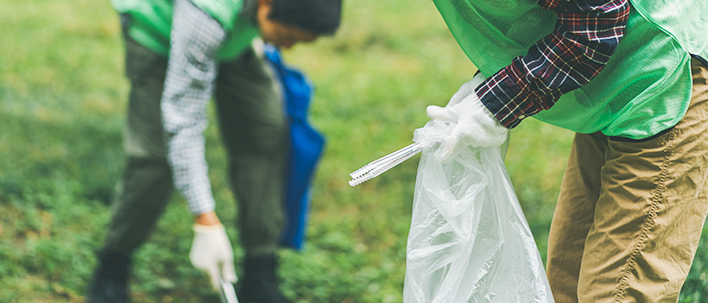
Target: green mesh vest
152	21
644	89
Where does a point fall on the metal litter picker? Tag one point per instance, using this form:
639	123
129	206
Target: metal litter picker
383	164
227	293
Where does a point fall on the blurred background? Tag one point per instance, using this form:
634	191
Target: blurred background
62	103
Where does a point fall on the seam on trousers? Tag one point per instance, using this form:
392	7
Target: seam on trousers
655	199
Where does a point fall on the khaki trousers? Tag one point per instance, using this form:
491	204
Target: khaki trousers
254	130
630	213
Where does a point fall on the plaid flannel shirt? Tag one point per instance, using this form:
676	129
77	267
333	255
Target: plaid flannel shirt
586	34
191	71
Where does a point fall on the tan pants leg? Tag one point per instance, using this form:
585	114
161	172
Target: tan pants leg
630	214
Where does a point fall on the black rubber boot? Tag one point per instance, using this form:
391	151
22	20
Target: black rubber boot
110	280
259	283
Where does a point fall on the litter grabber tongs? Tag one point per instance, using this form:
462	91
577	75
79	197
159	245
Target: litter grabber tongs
227	292
381	165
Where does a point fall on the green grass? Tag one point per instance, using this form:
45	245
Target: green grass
62	100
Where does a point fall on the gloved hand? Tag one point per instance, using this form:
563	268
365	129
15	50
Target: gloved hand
475	124
211	252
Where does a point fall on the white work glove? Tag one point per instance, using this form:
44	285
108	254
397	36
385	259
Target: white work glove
211	252
475	124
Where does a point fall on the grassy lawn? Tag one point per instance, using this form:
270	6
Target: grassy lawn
62	102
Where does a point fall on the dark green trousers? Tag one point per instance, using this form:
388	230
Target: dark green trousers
254	131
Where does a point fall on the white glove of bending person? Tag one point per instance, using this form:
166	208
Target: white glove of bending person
211	252
475	124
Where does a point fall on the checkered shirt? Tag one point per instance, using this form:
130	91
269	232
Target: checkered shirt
586	34
191	71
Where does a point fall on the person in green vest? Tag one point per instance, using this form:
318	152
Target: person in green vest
180	54
630	78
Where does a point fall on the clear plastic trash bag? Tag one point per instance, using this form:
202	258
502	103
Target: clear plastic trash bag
469	240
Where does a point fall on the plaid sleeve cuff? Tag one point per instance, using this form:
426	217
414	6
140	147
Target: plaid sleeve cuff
511	98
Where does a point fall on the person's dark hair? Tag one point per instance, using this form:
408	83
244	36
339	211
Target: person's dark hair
321	17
